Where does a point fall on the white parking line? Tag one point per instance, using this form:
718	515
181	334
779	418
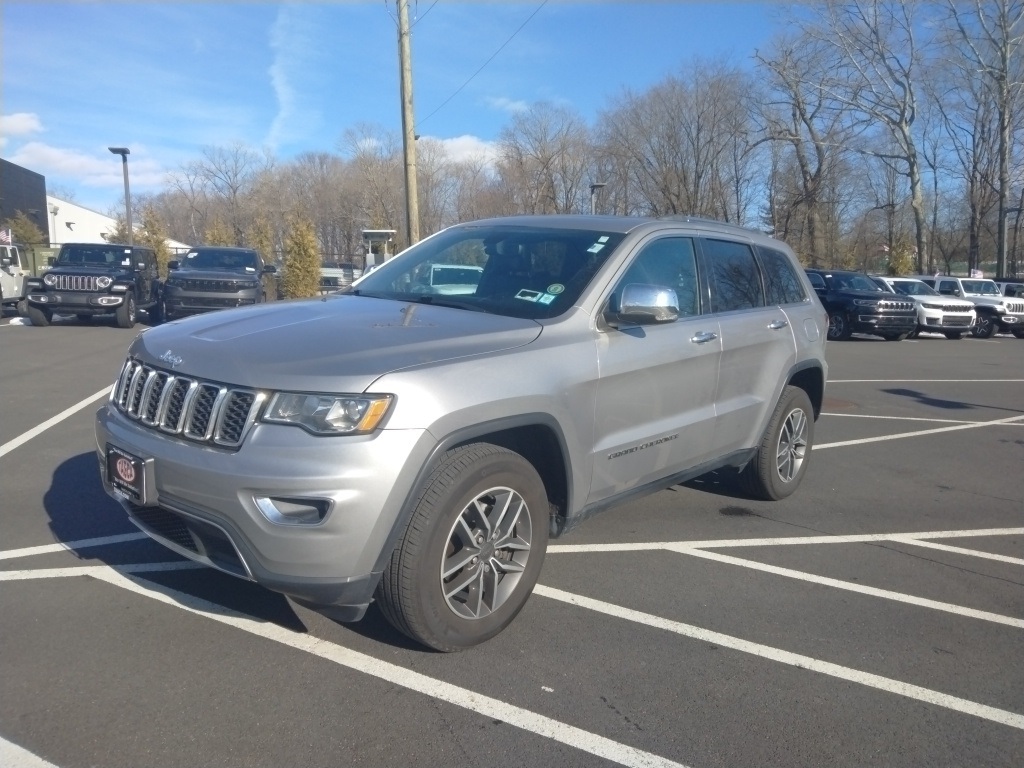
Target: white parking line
959	550
13	756
487	706
38	430
888	685
899	597
69	546
937	430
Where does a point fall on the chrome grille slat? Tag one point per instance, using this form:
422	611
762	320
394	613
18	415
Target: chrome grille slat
200	411
75	283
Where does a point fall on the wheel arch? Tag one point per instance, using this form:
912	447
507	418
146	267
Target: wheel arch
537	437
809	377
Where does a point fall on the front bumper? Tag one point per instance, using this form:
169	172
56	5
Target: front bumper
205	504
178	303
73	303
884	324
1009	322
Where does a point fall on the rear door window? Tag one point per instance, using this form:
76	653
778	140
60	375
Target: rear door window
781	284
735	276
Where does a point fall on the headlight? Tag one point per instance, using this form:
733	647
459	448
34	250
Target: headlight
328	414
866	302
50	279
104	282
932	306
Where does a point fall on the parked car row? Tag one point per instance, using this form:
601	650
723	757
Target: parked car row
94	279
897	308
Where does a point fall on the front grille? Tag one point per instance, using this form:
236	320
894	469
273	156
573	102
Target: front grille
204	411
1014	306
957	320
887	320
956	308
208	543
889	305
212	286
75	283
166	525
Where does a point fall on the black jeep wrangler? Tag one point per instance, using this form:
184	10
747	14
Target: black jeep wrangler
88	279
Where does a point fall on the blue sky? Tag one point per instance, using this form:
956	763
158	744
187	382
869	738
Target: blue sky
167	79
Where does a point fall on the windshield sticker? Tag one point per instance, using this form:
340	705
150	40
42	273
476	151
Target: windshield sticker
527	295
556	288
547	298
596	247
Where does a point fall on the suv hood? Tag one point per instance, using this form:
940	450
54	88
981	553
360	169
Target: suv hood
335	344
89	269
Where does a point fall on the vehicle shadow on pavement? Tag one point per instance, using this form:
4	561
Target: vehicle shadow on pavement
80	510
934	402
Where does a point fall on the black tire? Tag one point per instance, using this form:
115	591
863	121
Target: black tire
1018	333
157	313
23	308
781	459
838	327
895	336
464	568
914	334
127	313
984	327
953	335
39	317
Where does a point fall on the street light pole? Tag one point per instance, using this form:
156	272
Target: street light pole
412	206
593	195
124	152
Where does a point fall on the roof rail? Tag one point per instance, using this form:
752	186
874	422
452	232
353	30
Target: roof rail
689	219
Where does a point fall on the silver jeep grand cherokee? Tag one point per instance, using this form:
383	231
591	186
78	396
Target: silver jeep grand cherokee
417	445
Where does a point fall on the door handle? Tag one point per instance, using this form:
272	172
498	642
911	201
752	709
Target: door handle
777	324
703	337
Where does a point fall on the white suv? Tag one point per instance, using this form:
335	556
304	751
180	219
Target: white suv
936	313
996	313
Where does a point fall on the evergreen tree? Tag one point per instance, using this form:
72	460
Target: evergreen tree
23	230
218	233
301	278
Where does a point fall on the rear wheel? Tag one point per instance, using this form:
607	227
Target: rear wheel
781	459
472	551
38	316
126	313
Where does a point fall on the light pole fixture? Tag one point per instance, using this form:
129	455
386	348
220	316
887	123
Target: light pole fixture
593	195
124	152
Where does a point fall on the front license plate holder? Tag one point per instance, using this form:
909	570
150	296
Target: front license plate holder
126	474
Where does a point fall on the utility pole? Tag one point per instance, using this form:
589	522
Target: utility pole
412	206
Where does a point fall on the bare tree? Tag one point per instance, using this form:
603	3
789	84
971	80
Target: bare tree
991	37
876	64
229	173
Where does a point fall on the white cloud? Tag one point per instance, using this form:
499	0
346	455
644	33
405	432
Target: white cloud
469	148
78	168
20	124
507	105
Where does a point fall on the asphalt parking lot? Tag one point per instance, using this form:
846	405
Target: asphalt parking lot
874	618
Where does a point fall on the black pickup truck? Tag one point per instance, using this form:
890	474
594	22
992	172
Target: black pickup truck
856	304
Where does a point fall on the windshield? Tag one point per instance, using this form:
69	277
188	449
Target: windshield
213	258
854	282
980	287
528	272
94	255
913	288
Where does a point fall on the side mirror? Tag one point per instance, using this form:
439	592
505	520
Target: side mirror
644	304
173	264
269	269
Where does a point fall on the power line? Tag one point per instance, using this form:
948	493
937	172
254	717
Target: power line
484	65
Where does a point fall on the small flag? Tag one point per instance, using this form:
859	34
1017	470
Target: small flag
5	236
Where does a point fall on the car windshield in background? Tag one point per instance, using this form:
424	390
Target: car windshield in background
528	272
85	254
982	287
213	259
915	288
854	283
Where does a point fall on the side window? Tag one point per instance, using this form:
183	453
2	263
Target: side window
735	277
817	281
946	287
781	284
669	262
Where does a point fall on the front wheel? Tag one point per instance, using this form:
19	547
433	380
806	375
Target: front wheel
781	459
984	327
954	335
472	551
895	336
838	327
126	313
39	317
1019	333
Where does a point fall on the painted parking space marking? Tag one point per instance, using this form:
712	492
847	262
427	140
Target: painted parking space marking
23	438
919	433
1012	719
394	674
71	546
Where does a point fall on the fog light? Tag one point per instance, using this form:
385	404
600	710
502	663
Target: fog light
107	301
293	511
